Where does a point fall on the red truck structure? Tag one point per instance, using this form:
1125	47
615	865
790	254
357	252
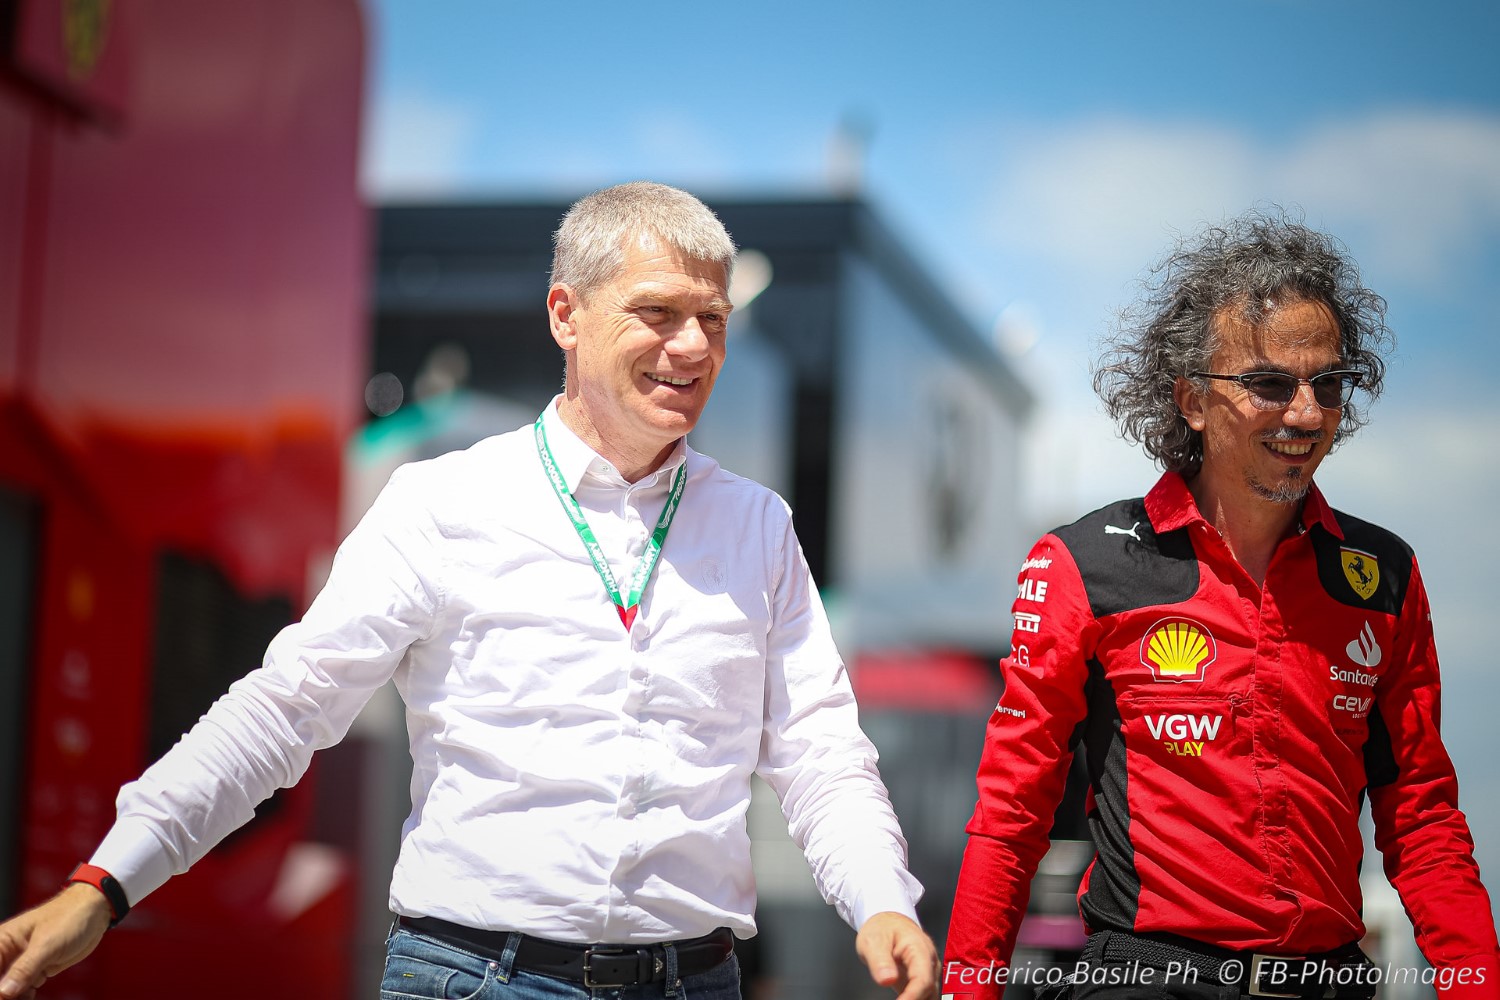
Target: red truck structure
182	350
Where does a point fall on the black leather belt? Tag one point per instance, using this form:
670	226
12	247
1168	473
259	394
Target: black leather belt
593	965
1310	977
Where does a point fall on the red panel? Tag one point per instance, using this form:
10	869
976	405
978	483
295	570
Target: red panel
88	697
201	290
182	338
925	681
77	50
17	112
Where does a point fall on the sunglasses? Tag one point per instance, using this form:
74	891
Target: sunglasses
1273	390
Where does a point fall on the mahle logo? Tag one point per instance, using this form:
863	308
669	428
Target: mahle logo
1178	649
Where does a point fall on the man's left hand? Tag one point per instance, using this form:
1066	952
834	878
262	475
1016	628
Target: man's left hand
899	955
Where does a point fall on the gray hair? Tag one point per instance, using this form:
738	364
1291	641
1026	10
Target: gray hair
589	246
1251	264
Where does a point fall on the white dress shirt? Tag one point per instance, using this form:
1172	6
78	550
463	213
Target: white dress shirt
571	780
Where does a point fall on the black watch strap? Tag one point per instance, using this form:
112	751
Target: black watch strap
102	880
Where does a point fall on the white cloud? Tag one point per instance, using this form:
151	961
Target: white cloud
1415	191
1097	196
1419	190
417	145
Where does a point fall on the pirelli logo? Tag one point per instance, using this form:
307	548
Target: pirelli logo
1178	649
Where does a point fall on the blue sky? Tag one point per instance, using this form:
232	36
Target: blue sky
1035	154
1037	157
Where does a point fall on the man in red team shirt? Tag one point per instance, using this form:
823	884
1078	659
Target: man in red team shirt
1241	663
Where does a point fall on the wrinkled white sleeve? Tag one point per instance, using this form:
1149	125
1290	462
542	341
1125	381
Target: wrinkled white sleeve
382	595
820	763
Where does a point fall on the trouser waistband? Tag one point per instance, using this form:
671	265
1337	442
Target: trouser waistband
593	965
1328	975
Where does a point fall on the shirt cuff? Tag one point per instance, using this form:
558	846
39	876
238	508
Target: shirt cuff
132	854
896	894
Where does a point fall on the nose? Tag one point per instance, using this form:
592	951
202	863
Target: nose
1303	410
690	341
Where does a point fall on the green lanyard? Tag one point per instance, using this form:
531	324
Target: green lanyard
647	563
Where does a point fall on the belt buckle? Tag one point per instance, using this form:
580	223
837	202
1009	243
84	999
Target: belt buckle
1257	960
606	951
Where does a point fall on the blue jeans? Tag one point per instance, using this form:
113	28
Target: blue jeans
418	967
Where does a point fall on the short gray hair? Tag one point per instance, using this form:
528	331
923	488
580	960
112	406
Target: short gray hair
1251	264
589	246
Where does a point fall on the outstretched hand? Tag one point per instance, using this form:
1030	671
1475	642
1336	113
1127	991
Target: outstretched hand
46	939
899	955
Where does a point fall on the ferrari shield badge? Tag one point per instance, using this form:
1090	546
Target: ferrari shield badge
1362	570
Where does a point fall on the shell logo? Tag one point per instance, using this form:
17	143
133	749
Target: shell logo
1178	649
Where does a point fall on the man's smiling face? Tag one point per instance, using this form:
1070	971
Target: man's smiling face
644	348
1271	453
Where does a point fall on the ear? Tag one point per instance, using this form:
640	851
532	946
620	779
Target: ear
562	302
1190	403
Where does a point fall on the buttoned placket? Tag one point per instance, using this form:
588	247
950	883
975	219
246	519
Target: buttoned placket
626	503
637	534
630	512
1263	623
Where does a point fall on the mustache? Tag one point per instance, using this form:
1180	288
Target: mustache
1294	434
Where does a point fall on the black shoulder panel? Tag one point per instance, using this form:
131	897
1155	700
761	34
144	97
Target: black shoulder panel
1380	762
1125	564
1369	569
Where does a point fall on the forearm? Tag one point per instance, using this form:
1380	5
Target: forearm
993	888
838	812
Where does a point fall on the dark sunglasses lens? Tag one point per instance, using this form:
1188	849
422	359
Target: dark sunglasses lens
1332	390
1276	390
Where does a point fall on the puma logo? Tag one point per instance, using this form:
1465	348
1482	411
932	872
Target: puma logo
1110	529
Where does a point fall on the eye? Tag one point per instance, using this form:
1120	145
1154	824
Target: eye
1279	388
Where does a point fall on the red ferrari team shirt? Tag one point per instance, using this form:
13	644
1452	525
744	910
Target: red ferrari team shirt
1232	732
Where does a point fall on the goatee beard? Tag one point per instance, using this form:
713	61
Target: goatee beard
1292	489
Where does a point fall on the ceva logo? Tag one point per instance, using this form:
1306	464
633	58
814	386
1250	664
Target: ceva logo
1178	649
1353	704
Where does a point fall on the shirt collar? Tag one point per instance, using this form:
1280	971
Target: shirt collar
1315	510
575	460
1170	506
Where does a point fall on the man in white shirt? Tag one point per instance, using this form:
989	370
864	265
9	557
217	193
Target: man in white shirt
586	698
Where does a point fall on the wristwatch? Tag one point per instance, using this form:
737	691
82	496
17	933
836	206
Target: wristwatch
105	882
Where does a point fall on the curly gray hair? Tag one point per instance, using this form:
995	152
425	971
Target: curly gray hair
1253	264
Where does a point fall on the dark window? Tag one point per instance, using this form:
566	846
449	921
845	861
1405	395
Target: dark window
18	533
208	635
